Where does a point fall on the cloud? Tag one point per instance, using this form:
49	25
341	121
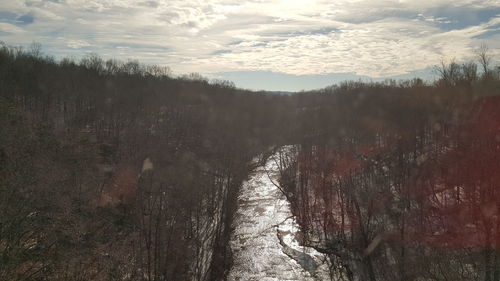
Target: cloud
373	38
8	28
77	44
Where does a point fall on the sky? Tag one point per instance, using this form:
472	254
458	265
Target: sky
278	45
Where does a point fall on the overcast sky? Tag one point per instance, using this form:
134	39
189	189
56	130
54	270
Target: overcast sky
273	45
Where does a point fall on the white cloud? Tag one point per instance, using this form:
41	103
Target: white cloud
10	28
77	44
375	38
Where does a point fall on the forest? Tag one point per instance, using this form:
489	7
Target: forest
113	170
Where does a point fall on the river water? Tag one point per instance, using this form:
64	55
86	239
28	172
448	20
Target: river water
264	241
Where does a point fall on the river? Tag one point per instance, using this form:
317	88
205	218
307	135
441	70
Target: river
264	242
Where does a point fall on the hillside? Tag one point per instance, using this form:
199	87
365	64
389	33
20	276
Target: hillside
116	170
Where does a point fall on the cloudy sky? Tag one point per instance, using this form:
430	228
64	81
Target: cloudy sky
259	44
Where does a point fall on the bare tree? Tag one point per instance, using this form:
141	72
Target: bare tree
484	57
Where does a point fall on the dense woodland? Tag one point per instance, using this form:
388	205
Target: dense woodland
115	170
401	182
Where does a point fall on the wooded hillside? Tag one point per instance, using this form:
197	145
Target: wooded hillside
116	170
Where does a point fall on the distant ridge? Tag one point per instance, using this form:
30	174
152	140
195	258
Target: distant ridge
284	93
